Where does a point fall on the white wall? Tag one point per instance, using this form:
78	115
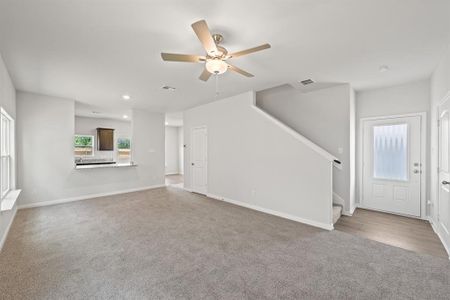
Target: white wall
8	102
396	100
440	87
88	126
259	163
180	150
407	98
45	129
326	117
172	151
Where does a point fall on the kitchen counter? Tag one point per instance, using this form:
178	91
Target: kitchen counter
105	165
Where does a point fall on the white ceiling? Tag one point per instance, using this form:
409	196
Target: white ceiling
95	50
92	111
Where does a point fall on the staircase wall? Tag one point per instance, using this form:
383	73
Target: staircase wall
327	118
257	162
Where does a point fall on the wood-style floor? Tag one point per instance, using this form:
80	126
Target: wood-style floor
407	233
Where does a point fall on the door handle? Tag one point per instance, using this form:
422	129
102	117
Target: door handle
445	182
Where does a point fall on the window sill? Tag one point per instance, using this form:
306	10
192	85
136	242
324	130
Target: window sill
10	199
100	166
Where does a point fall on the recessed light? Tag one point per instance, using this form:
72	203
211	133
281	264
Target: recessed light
125	116
167	123
168	88
383	68
126	97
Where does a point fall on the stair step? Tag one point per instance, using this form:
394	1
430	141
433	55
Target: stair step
337	212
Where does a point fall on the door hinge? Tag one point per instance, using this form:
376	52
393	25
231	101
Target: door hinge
438	123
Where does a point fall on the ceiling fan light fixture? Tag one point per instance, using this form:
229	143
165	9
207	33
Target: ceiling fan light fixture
216	66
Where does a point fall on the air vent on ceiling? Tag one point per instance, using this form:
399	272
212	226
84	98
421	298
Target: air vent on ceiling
307	81
168	88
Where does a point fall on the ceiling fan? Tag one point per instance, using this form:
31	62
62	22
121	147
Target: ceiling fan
216	56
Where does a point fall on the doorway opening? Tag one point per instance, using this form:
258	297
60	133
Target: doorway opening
392	185
441	212
174	150
393	164
199	159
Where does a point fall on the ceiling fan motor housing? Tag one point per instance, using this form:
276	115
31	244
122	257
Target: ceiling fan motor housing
218	38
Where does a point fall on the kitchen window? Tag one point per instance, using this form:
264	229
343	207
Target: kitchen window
84	145
124	147
6	149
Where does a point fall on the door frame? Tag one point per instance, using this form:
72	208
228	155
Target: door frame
191	156
434	220
423	158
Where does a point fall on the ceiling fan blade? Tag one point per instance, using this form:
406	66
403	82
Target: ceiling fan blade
204	35
205	75
240	71
182	57
248	51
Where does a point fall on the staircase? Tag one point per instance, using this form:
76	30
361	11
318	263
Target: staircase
337	212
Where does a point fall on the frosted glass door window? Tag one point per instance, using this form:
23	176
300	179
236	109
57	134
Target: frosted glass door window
390	152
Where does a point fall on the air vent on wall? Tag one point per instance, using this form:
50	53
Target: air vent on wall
307	81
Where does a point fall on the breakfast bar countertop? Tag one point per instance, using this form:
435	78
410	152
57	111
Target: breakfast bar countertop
106	165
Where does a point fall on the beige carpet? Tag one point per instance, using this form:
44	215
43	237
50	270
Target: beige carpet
170	244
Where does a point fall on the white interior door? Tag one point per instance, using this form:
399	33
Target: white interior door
392	166
444	172
199	160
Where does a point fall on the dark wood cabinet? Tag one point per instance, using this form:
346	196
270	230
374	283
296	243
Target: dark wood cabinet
105	139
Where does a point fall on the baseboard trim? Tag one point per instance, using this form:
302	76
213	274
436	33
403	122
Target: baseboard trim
340	201
89	196
273	212
349	213
3	240
438	233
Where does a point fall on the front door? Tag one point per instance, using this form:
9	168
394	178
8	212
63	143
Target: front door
444	169
392	166
199	160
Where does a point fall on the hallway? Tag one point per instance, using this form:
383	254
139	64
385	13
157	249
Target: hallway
176	180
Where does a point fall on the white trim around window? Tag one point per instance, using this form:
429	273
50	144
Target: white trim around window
8	193
91	147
